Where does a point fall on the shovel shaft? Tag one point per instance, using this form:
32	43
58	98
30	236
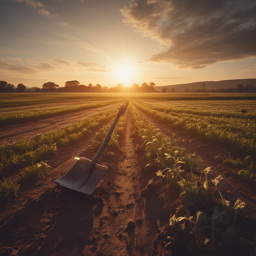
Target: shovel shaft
110	131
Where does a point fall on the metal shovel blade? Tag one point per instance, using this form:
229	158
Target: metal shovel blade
86	174
81	178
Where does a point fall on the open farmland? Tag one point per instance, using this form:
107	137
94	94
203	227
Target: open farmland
181	175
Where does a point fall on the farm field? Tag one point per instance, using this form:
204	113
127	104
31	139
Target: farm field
10	133
181	177
213	106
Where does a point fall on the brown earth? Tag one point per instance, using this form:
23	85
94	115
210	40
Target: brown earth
11	133
116	220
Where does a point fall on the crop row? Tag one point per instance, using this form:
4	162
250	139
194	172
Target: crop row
36	169
239	134
9	100
28	151
113	144
201	225
204	113
7	119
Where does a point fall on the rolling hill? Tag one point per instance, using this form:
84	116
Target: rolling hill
209	85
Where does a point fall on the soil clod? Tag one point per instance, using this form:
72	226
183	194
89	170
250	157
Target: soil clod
131	225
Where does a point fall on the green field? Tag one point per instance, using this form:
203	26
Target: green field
30	99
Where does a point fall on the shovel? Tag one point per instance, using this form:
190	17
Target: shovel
85	175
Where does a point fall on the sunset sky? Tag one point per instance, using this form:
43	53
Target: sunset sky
123	41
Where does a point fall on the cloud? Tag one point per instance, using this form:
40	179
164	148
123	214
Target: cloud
196	33
15	59
44	12
61	61
34	67
17	68
248	70
32	3
36	4
94	67
44	66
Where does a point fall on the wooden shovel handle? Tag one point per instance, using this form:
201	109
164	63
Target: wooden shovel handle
110	131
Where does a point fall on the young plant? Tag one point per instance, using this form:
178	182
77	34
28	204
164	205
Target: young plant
34	172
8	189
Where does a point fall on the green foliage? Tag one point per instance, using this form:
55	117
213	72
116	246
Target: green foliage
244	169
12	118
34	171
8	189
29	151
113	144
239	134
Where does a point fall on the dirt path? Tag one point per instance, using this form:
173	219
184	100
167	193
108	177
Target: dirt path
212	155
127	222
15	132
116	220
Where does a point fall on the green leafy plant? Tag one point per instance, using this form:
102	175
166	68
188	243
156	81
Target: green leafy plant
241	168
224	130
8	189
34	171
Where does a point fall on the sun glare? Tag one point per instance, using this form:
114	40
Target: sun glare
125	75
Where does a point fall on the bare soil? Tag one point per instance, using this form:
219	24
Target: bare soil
117	220
11	133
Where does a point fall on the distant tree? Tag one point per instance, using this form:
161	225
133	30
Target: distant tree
72	83
144	87
240	87
152	89
105	89
135	87
9	88
164	89
98	88
50	86
21	88
3	84
120	87
248	87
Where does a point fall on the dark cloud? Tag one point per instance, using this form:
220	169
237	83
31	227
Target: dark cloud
196	33
17	68
94	67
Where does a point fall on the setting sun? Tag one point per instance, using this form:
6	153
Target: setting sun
125	75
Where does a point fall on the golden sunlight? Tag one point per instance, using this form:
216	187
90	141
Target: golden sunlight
125	75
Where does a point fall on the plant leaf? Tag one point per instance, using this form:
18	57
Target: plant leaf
217	181
230	236
200	216
207	169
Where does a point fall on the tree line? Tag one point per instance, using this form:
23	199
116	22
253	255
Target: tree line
5	87
239	88
75	86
